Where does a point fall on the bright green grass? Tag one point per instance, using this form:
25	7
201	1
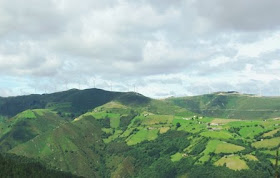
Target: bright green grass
267	143
232	162
114	117
250	132
176	157
211	147
228	148
40	112
142	135
26	114
217	146
192	126
273	161
157	119
217	134
206	119
243	123
133	124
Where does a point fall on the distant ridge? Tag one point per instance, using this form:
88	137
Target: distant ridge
71	101
231	104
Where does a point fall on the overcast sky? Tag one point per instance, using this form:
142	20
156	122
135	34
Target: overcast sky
164	48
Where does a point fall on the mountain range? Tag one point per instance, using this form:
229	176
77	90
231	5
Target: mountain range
97	133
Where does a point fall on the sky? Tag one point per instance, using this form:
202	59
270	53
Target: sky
159	48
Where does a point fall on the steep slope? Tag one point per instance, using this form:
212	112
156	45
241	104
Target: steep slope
80	146
135	136
17	166
156	139
75	147
228	105
27	125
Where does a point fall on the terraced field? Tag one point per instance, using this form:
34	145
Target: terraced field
226	139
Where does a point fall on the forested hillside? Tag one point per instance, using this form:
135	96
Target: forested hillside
130	135
16	166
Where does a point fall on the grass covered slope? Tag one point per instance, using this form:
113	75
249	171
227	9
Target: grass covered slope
118	140
226	105
27	125
85	138
135	136
74	147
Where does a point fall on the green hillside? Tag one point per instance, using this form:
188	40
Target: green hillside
85	138
231	105
130	135
117	140
73	147
71	102
27	125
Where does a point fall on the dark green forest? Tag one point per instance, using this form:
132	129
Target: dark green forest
18	166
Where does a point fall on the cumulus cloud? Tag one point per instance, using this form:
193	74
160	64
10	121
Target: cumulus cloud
162	47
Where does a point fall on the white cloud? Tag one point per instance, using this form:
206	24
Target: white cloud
165	48
257	48
249	15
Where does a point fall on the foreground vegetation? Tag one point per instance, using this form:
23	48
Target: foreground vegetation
16	166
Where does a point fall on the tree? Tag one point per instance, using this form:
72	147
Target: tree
178	125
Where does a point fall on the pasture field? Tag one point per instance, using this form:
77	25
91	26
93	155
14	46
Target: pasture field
251	131
142	135
232	162
158	119
158	130
223	121
26	114
210	148
214	140
163	130
217	146
96	133
217	134
267	143
271	133
176	157
250	157
228	148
